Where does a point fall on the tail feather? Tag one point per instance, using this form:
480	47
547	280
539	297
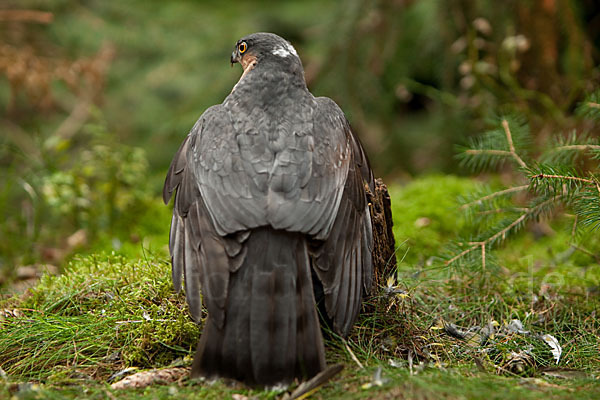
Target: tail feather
271	334
310	349
272	314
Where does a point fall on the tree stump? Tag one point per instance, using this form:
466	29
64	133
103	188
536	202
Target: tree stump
384	245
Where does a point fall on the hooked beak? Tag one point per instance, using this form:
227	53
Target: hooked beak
235	57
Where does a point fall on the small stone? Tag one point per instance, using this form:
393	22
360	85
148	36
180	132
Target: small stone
422	222
27	272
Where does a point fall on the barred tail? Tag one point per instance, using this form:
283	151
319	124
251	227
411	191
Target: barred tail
271	333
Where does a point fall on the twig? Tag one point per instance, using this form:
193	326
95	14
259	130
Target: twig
461	254
483	256
489	151
494	237
482	245
573	178
354	358
509	227
511	146
503	210
495	194
581	147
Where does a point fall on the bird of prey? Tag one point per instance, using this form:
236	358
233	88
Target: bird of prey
271	221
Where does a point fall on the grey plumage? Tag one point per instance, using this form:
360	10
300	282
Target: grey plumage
270	205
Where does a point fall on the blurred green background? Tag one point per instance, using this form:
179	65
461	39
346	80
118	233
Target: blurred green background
97	95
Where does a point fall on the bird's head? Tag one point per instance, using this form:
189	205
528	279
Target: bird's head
265	49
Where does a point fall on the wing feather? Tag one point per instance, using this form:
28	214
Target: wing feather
343	263
308	175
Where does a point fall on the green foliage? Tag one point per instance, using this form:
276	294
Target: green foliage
414	78
590	106
492	149
103	313
94	183
564	181
109	312
570	149
103	188
425	214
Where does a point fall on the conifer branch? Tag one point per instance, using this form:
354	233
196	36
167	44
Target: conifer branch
503	210
511	146
580	147
462	254
554	179
504	231
498	235
573	178
494	195
489	152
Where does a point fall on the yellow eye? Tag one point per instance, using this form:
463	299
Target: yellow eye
242	47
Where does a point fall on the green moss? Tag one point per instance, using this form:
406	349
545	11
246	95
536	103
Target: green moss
107	312
103	313
426	215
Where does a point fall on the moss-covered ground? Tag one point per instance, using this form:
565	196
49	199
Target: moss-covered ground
432	332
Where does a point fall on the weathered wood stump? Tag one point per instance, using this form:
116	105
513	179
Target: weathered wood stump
384	245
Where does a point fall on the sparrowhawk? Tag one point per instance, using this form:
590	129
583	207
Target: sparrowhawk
270	218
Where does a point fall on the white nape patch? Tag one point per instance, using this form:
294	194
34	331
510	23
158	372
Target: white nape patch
284	51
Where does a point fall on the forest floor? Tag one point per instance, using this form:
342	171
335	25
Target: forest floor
524	327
